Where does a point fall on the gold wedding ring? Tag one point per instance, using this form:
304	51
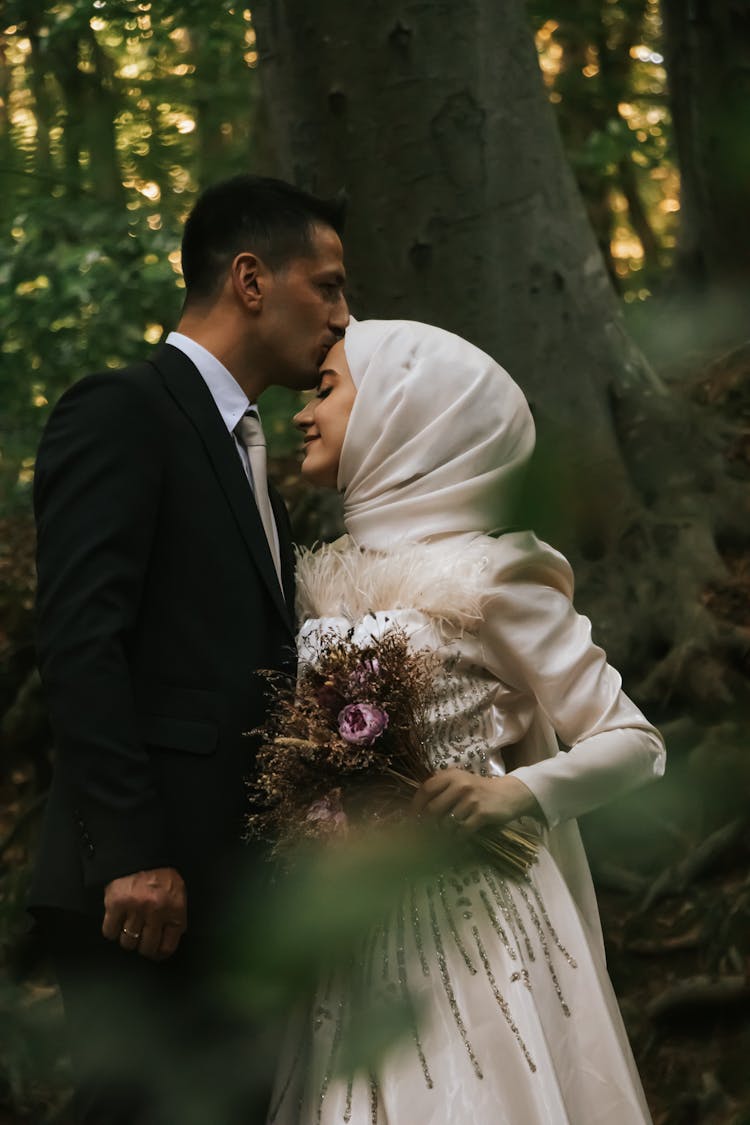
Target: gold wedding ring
128	933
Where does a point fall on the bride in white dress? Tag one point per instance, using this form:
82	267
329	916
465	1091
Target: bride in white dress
425	436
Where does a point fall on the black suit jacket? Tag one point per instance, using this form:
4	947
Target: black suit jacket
158	603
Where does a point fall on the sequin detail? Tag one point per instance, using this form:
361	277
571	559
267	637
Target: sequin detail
545	948
447	986
331	1059
374	1099
496	925
417	930
452	927
406	996
552	931
502	1003
508	908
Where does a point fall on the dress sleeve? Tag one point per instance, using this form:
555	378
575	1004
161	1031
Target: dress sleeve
535	641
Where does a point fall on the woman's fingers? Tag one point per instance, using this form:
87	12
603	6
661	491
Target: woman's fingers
474	802
441	793
444	803
429	790
464	811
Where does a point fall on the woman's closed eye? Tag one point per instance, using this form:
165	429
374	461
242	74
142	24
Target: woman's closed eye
323	392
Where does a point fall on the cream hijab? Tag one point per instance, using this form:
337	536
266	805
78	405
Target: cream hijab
436	439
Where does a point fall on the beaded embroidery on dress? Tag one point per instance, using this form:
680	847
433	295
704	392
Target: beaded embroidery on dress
508	996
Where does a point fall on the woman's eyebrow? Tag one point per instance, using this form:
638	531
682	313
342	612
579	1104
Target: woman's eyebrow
326	371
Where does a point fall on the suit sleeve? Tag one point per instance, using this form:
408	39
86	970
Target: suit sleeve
535	641
96	498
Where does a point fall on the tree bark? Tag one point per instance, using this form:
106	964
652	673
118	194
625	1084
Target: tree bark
7	154
464	210
42	104
101	135
707	48
464	213
63	58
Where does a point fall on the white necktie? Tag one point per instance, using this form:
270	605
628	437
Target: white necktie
250	433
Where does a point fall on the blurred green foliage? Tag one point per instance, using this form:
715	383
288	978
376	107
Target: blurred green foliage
110	121
603	63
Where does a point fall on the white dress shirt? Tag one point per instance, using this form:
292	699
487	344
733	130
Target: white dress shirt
231	401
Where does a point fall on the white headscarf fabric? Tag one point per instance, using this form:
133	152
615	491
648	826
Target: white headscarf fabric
436	439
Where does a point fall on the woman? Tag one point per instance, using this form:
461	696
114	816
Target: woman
425	436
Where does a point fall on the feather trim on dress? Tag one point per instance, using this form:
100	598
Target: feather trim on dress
445	581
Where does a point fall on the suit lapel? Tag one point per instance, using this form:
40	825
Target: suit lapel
193	396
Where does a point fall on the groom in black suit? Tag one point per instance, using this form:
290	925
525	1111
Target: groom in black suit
165	584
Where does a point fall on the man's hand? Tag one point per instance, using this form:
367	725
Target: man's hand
146	912
475	802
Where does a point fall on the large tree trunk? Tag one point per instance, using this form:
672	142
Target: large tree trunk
464	213
707	46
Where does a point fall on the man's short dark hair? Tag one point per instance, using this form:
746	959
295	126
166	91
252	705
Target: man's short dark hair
271	218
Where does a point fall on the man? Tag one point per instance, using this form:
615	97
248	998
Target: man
165	584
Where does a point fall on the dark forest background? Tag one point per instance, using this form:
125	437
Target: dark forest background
567	186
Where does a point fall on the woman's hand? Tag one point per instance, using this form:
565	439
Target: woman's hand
475	802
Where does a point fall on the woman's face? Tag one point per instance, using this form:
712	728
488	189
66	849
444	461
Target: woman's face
324	419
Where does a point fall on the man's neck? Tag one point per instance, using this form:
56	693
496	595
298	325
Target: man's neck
214	336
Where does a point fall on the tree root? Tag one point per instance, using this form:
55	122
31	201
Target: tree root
693	939
612	877
700	992
675	879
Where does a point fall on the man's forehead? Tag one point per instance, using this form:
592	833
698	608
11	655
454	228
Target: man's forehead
326	244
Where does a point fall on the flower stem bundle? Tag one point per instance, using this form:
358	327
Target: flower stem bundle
349	743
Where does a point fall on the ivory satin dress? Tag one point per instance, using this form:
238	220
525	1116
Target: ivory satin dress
518	1022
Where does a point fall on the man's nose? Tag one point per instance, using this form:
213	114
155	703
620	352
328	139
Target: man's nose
340	318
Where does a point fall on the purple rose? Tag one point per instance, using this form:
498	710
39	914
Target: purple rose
361	723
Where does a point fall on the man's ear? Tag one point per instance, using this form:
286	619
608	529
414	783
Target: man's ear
249	278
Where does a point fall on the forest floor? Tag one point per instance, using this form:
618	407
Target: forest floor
674	897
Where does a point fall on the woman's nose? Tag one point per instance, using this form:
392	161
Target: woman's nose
303	418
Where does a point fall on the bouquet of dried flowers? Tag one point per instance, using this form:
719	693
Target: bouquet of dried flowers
348	743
